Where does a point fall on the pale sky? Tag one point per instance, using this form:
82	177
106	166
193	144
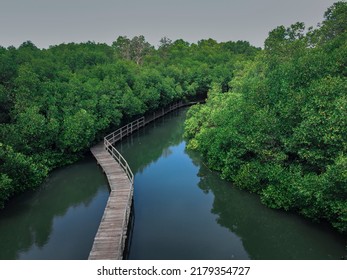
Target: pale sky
51	22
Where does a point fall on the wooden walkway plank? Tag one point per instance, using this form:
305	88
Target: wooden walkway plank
110	239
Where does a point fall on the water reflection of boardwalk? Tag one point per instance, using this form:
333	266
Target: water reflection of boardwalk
110	239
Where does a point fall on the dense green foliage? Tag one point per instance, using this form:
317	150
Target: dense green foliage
56	102
275	121
281	131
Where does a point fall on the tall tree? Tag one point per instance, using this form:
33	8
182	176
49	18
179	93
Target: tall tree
139	48
123	47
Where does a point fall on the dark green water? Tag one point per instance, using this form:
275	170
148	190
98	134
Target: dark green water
58	221
184	211
181	211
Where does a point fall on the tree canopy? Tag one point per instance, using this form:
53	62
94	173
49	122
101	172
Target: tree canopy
56	102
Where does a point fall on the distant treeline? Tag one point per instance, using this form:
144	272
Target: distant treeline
56	102
281	128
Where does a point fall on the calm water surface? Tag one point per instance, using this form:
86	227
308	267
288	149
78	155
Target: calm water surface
185	211
58	221
182	210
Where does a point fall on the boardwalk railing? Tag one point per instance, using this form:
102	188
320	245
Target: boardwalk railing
124	131
118	135
161	112
128	129
120	159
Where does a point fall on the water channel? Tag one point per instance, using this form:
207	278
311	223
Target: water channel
182	210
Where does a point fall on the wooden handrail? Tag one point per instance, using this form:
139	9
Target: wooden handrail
129	128
125	130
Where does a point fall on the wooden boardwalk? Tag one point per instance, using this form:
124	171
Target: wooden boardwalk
110	239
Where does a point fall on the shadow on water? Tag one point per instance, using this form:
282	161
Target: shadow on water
59	220
185	211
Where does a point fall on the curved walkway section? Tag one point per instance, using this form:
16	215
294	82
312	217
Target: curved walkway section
110	239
